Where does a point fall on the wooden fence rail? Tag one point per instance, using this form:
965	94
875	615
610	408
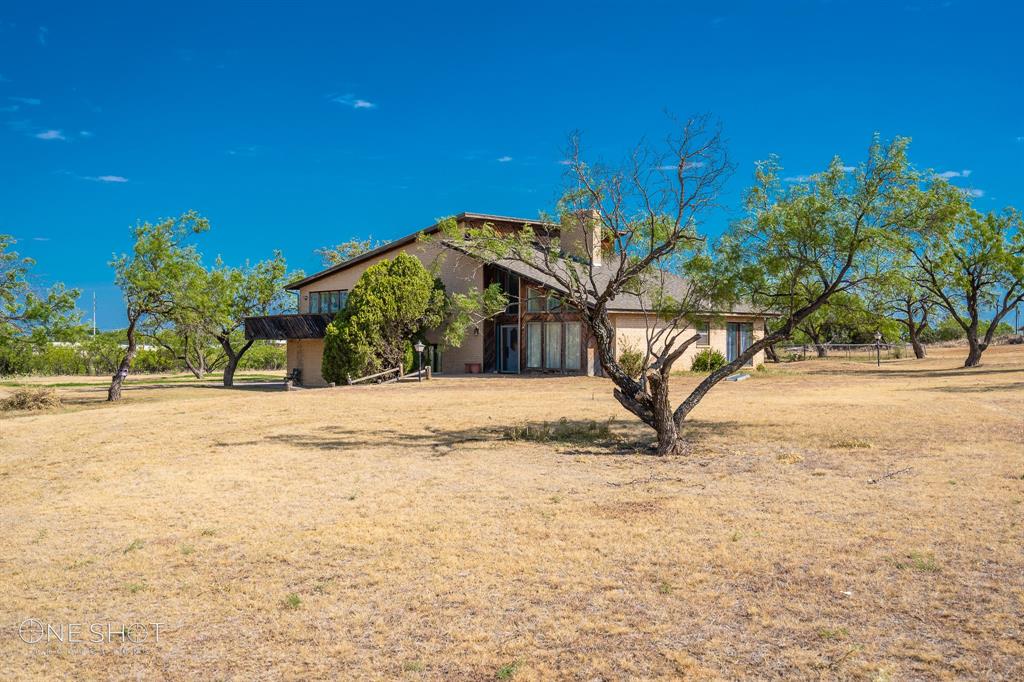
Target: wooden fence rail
397	371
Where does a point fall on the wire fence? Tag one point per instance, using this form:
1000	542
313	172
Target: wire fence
851	352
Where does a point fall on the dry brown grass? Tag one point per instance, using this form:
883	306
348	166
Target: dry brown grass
397	531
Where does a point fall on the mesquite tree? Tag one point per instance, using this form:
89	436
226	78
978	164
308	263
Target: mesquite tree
155	278
894	294
26	312
972	264
231	294
797	248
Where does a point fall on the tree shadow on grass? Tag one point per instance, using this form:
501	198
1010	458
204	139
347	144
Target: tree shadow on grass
986	388
567	437
917	373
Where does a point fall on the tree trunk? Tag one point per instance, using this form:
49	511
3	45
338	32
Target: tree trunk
769	350
976	349
116	381
915	341
822	349
232	358
664	422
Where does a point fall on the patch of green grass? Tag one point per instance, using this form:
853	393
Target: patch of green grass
135	544
851	444
919	561
292	601
133	588
187	549
507	671
562	431
833	633
208	532
664	587
413	666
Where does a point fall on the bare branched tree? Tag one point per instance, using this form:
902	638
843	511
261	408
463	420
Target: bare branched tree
630	233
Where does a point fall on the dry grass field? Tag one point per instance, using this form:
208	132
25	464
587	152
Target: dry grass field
400	532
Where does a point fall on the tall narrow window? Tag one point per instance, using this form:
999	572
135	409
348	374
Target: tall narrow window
572	345
553	345
533	344
704	329
534	301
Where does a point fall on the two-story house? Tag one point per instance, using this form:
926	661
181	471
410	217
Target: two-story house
536	334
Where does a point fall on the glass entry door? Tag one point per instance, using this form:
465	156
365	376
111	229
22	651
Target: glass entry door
739	336
508	349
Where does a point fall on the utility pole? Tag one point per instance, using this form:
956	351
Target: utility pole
94	314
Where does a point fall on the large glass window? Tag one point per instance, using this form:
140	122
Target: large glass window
327	301
572	345
554	302
553	345
533	344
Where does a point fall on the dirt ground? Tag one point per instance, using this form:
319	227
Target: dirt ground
832	520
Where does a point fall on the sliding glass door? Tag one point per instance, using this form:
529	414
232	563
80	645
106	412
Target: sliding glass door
738	337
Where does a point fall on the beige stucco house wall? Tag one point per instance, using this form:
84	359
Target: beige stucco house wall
631	330
459	272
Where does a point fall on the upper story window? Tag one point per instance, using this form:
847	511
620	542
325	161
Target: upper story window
509	284
535	300
539	301
327	301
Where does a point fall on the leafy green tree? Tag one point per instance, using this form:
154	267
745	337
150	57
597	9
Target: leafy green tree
339	253
392	301
157	276
971	264
844	319
25	313
231	294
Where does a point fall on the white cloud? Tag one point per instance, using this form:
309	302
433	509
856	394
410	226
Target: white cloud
51	135
1020	138
86	133
504	159
32	101
353	101
40	239
9	110
849	169
689	164
43	31
798	178
976	193
565	162
107	178
946	175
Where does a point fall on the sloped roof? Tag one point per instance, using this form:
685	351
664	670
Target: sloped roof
670	284
403	241
673	285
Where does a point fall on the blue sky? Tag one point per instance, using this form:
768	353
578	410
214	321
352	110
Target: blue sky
296	125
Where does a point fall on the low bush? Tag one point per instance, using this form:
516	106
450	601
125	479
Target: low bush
563	431
707	360
31	399
631	360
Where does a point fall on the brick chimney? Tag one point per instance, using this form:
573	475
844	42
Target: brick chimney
581	238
